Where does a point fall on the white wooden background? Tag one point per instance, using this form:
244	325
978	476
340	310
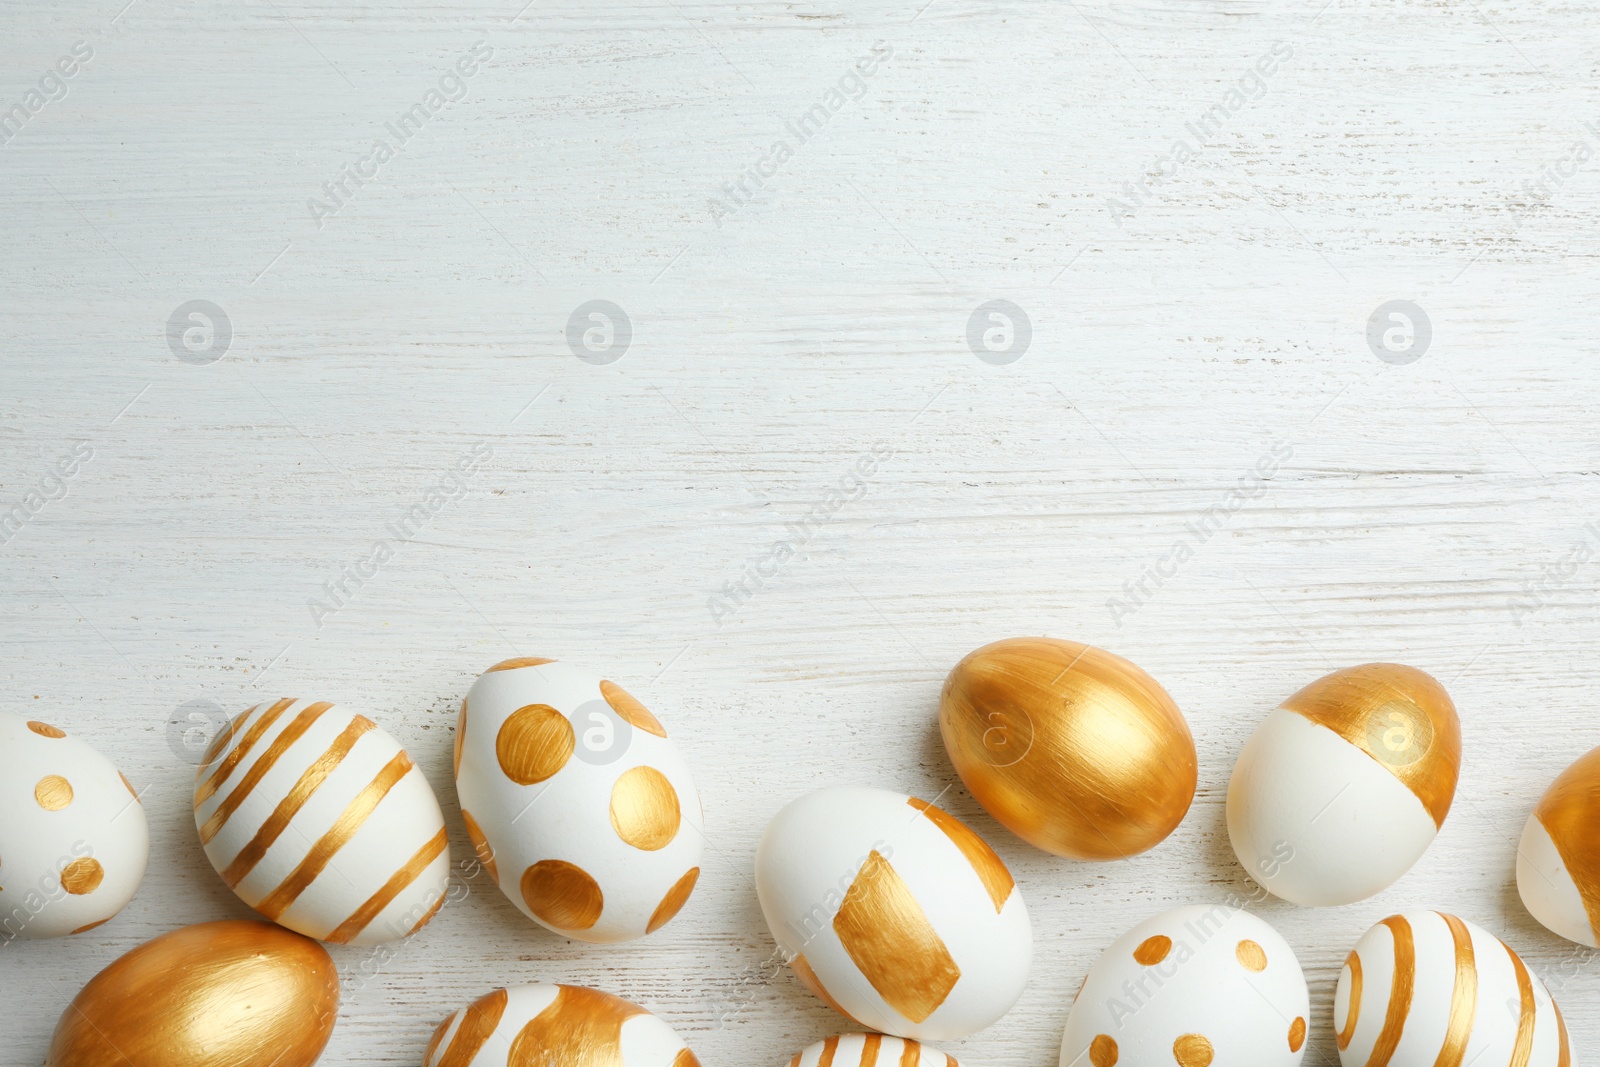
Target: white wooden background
1394	156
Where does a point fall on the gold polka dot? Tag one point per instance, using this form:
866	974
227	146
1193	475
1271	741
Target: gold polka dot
53	792
82	876
461	734
45	729
674	901
91	926
637	714
562	894
480	844
534	744
1297	1034
519	661
644	809
685	1058
1153	950
1103	1051
1192	1050
1252	957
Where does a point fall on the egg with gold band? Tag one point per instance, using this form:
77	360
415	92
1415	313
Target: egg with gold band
1070	747
536	1025
871	1050
222	994
893	912
1427	989
1558	860
1196	986
318	820
74	842
1342	788
580	807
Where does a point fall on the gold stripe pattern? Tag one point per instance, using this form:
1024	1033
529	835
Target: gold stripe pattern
888	935
258	770
989	867
477	1026
830	1048
1565	1058
1523	1051
1463	997
1400	993
1567	812
236	755
519	661
359	920
1352	1012
580	1028
869	1050
910	1053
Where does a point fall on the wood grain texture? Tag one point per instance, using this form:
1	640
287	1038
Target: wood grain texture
1433	513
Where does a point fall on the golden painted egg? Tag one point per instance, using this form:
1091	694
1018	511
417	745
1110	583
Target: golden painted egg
223	994
551	1025
1558	861
871	1050
1072	748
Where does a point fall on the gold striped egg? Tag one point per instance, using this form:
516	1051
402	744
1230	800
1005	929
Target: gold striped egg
580	807
1343	787
894	912
319	821
1196	986
73	838
1072	748
1426	989
537	1025
871	1050
1558	861
222	994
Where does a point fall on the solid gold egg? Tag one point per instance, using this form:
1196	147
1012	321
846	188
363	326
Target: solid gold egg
1072	748
222	994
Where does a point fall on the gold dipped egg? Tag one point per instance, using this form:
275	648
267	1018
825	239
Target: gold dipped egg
1558	860
220	994
1072	748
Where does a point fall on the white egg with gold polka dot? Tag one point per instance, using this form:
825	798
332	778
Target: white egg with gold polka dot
894	912
73	837
579	805
318	820
546	1025
1427	989
871	1050
1192	987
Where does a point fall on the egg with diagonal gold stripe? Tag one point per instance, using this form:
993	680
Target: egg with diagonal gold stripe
319	821
545	1025
871	1050
1558	860
893	912
1428	989
579	806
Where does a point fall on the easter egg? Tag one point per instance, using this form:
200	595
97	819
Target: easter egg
73	836
1426	989
894	912
319	821
555	1024
1558	861
1073	749
1191	987
222	994
870	1050
580	807
1342	788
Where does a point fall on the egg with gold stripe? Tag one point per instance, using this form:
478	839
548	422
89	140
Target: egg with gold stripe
319	821
1343	787
221	994
73	836
537	1025
893	912
1427	989
580	806
1072	748
1558	861
1192	987
871	1050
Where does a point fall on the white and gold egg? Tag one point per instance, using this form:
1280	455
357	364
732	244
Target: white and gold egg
1426	989
871	1050
319	821
580	807
1192	987
1343	788
894	913
1558	860
540	1025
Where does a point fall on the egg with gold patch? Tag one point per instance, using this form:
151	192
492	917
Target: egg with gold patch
1343	787
893	912
73	838
555	1024
1192	987
1427	989
1072	748
318	820
871	1050
1558	861
580	806
222	994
